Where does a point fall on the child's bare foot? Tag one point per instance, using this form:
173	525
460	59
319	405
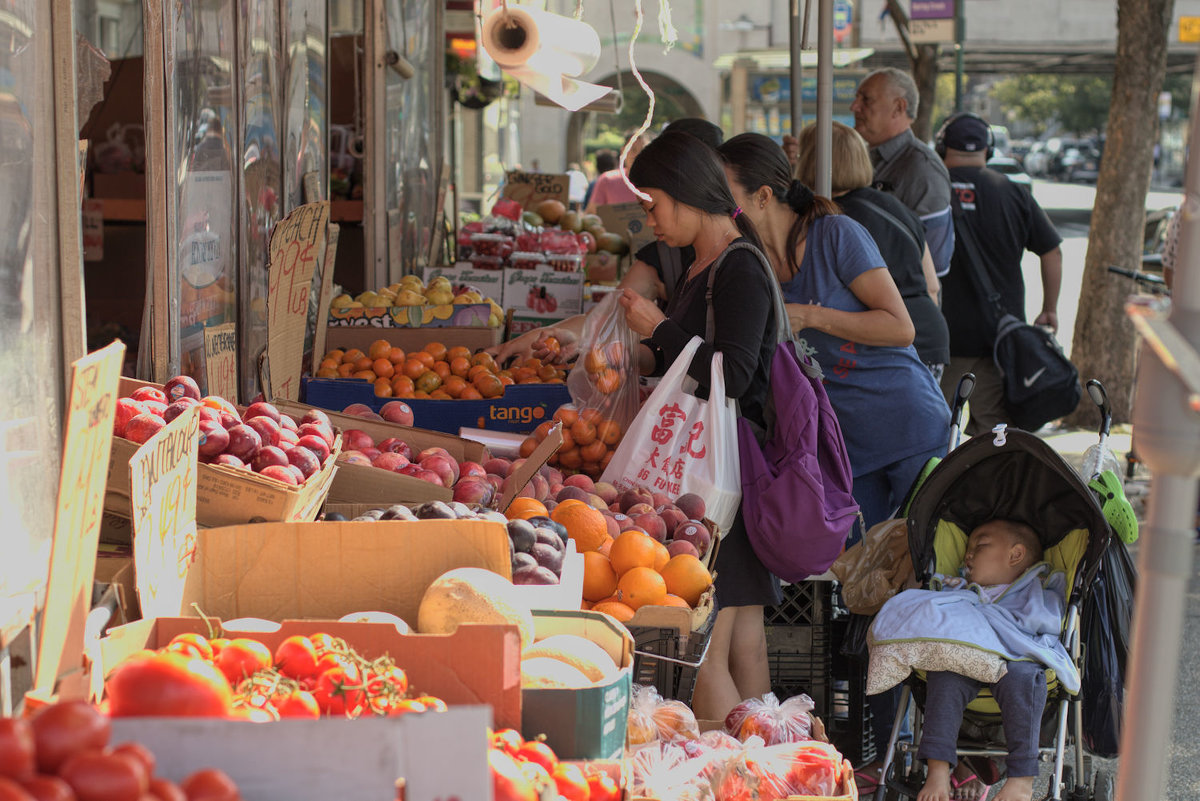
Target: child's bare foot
937	782
1016	788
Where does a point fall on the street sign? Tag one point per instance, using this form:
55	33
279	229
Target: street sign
843	15
1189	29
931	31
931	9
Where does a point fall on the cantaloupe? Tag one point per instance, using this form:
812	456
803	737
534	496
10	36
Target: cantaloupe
472	595
544	673
578	652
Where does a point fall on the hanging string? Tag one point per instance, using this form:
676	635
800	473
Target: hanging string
579	10
666	28
637	29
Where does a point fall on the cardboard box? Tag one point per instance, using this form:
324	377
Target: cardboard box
114	572
582	723
519	410
226	496
847	792
440	756
460	315
474	665
471	337
602	266
463	275
520	321
554	291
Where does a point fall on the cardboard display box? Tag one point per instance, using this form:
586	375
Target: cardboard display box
473	338
519	410
460	315
544	289
476	665
519	321
588	723
463	275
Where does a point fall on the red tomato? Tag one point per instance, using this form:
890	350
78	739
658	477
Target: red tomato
508	781
164	790
323	643
218	643
339	690
571	782
297	704
431	703
11	791
602	787
168	685
48	788
296	657
139	752
508	740
64	728
195	644
16	748
402	706
243	657
538	753
210	785
97	776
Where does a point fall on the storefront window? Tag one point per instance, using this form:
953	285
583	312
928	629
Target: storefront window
30	324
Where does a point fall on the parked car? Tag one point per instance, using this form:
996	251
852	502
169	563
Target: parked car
1037	160
1085	168
1010	168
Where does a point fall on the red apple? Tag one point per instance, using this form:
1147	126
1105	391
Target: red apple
143	427
300	477
357	439
691	505
304	459
127	409
316	416
397	412
268	455
470	468
315	444
266	427
229	420
677	547
229	460
209	413
411	469
389	461
653	525
149	393
353	457
286	436
182	386
262	409
178	407
696	533
286	475
287	423
244	442
214	439
322	431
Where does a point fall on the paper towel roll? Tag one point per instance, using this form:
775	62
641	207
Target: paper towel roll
545	52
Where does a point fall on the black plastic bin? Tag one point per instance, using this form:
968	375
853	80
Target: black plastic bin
669	661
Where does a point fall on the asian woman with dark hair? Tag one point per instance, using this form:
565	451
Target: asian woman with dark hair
691	205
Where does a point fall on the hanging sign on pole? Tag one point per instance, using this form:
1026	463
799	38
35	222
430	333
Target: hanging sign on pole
297	244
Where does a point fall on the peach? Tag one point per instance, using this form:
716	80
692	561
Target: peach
653	525
430	476
394	445
445	467
606	491
316	416
288	437
178	407
497	466
541	487
571	492
315	444
691	505
323	431
696	533
288	424
213	439
676	547
581	481
659	500
389	461
614	530
154	407
353	457
640	509
370	453
672	518
305	460
357	409
473	489
229	460
434	451
149	394
635	496
268	429
127	409
470	468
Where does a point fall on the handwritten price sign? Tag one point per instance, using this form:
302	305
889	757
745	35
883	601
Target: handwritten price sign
162	483
531	188
297	245
220	360
86	452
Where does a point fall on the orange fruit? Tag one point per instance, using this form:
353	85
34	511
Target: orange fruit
585	605
365	374
594	361
675	600
641	586
458	352
592	416
413	368
379	349
476	370
542	431
547	372
528	446
632	549
440	394
583	432
402	384
608	432
606	546
327	372
583	523
328	364
336	354
460	366
453	385
484	358
396	356
363	364
569	458
383	388
616	609
568	442
607	380
428	381
419	395
525	508
686	576
345	369
437	350
593	452
469	393
506	380
661	555
352	355
383	367
599	578
442	369
489	386
423	356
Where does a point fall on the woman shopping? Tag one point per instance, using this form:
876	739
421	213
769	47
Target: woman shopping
690	205
847	313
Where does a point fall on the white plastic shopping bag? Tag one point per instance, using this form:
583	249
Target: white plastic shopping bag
679	444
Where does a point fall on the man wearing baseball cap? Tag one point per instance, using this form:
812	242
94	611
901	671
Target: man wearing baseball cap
995	221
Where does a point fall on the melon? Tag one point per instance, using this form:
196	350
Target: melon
544	673
579	652
473	595
550	210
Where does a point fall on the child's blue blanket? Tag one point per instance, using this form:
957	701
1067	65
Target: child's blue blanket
1023	624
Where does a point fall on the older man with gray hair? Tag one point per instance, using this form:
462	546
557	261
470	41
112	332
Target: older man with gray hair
884	108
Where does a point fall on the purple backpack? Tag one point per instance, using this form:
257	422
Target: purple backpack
796	486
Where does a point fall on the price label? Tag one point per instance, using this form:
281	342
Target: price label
297	244
91	407
531	188
220	360
162	488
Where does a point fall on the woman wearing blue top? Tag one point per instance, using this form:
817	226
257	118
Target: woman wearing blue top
847	313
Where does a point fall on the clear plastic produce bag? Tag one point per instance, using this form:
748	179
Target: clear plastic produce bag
772	721
655	719
605	376
774	773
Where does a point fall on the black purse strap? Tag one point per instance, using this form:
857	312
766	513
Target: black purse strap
978	274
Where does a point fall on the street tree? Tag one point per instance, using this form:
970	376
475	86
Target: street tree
1104	339
1075	103
923	60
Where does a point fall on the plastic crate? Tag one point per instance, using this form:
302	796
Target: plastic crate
798	645
668	661
850	722
805	603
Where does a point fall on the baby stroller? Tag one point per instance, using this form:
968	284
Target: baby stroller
1009	474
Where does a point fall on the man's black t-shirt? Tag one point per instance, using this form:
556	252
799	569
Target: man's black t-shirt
1004	221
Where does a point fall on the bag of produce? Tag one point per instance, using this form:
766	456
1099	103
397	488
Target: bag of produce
653	719
787	722
605	375
773	773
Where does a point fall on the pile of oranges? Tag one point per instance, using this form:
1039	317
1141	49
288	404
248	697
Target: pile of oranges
433	372
625	573
589	440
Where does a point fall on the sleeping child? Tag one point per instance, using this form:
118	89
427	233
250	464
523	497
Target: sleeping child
998	624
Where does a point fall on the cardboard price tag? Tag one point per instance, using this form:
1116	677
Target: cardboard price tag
162	485
531	188
91	408
220	360
297	244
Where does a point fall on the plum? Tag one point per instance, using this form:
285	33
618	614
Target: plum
492	515
213	439
434	510
461	509
334	517
267	428
262	409
523	535
548	557
536	575
691	505
182	386
520	560
550	537
397	512
696	533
